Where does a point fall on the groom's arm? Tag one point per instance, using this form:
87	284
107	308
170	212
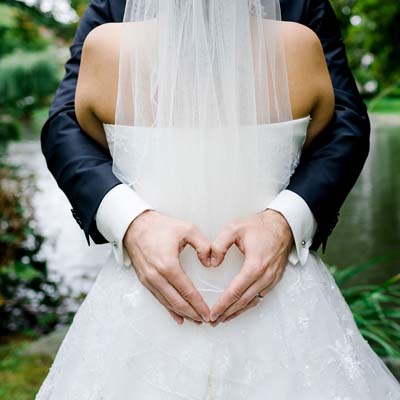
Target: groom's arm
330	167
82	169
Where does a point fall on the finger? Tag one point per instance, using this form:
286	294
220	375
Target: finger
252	304
155	292
260	286
246	277
222	244
201	244
185	288
176	317
247	298
175	299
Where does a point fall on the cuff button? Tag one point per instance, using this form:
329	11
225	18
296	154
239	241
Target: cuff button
303	244
115	244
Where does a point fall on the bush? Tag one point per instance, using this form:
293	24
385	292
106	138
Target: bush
9	130
29	299
376	308
27	79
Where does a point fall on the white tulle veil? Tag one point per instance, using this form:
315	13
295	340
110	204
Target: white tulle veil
195	76
202	63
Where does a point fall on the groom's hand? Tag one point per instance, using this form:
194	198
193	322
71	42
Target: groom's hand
154	242
265	239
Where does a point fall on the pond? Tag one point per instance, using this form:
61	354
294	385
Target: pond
369	224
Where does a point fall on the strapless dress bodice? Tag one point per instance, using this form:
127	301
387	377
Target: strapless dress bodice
209	177
190	176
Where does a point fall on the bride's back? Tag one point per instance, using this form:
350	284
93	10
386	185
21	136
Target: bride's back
310	86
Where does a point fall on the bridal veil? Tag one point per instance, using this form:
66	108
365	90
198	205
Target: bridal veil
196	75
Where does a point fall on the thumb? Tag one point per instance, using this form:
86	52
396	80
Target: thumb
221	245
202	246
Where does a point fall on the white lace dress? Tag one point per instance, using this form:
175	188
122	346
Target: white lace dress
299	343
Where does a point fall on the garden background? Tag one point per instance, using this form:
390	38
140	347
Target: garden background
46	268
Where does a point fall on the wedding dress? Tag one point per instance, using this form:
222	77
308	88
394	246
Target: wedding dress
300	342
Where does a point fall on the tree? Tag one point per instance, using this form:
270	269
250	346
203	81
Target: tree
372	34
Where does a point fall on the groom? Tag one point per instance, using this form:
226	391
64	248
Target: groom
299	219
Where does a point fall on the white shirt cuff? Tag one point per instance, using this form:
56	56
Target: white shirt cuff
119	207
301	221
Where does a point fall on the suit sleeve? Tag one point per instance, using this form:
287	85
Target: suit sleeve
330	167
82	169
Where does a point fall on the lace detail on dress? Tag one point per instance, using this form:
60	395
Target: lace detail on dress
124	345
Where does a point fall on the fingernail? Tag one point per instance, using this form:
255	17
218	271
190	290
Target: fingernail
213	261
214	317
209	262
206	318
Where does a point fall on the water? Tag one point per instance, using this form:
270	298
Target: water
369	224
66	250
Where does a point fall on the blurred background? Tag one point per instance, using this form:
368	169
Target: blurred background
46	267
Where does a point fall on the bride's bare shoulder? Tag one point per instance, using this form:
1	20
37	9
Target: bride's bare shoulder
311	88
97	86
303	47
101	47
105	40
299	34
99	69
98	76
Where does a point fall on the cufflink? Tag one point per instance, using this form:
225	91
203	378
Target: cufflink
115	244
303	244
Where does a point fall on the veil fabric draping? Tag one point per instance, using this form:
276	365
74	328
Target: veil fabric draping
206	63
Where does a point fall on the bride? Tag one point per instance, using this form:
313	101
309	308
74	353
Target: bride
205	107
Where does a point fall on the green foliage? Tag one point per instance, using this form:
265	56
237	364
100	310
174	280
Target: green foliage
79	6
389	105
20	374
376	307
376	33
29	297
9	130
27	79
381	33
18	31
6	16
42	19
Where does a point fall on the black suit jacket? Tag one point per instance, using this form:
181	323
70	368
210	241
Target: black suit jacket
324	177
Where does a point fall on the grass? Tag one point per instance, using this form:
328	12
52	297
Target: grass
21	375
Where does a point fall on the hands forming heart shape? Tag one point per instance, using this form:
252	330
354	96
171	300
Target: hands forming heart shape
154	242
